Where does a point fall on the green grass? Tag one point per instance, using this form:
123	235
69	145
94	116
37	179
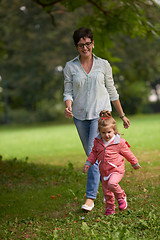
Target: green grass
42	186
42	144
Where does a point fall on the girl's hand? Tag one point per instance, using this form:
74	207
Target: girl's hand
126	122
85	168
68	112
137	167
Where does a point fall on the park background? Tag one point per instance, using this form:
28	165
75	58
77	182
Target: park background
35	47
41	157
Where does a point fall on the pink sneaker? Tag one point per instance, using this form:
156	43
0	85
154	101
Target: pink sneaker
109	212
122	204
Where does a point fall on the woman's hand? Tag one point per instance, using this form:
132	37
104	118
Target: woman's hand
126	122
85	168
118	107
68	112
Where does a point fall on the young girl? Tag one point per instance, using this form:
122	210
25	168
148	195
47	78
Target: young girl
109	148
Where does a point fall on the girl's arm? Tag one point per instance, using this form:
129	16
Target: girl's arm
128	154
91	159
118	107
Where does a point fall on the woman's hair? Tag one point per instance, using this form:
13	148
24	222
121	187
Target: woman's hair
82	33
106	120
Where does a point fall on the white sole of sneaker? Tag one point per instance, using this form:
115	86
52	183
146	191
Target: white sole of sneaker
87	208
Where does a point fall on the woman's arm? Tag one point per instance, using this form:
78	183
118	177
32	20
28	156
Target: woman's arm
68	91
114	95
118	107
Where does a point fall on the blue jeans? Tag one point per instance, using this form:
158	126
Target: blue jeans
88	130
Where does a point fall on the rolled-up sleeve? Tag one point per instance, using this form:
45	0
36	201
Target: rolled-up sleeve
90	92
109	82
68	84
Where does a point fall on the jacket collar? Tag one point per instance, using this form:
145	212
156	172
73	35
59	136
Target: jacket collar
116	140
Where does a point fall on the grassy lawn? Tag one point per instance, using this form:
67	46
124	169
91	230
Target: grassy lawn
42	186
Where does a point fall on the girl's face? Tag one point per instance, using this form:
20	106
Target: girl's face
106	133
85	46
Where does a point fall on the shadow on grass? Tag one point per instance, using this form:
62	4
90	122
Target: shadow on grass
29	189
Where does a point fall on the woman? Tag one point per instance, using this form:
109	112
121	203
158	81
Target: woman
89	86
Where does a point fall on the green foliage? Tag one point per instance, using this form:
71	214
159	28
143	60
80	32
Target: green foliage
139	72
33	52
72	5
30	60
134	96
115	16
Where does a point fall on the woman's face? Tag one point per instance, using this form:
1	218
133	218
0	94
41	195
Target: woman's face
85	46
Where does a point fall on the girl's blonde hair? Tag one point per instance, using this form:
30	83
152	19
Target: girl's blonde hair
105	120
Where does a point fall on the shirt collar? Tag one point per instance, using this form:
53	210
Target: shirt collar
78	57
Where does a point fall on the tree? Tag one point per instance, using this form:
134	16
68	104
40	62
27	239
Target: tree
33	50
131	23
139	71
133	17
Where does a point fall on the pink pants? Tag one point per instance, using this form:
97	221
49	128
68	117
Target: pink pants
112	190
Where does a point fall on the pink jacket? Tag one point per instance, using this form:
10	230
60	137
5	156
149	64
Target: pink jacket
110	158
